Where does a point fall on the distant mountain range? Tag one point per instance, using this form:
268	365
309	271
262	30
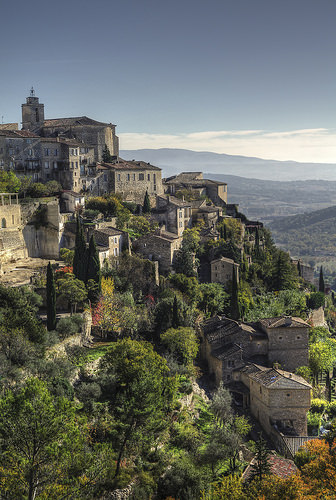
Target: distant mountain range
173	161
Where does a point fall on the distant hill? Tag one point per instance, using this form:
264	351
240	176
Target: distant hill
310	234
173	161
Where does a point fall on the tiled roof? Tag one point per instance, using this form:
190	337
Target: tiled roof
284	322
18	133
225	351
277	378
109	231
128	165
217	330
73	121
175	201
224	259
281	467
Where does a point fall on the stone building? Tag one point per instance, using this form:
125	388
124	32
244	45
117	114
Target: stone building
279	399
83	129
172	213
109	242
161	247
268	341
193	181
131	179
222	269
12	244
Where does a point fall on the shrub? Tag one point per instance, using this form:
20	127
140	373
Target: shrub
69	326
318	405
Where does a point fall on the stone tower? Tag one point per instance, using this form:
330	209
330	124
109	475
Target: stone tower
32	113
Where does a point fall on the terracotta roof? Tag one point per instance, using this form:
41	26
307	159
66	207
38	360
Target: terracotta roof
281	467
284	322
220	328
18	133
73	121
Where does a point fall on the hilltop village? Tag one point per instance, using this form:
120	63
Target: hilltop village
163	327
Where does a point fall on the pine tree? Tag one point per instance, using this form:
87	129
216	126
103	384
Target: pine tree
175	320
261	467
235	312
107	157
146	206
93	264
321	281
51	299
80	255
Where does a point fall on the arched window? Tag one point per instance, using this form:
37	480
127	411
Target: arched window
3	223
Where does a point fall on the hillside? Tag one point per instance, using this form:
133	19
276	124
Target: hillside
311	236
177	160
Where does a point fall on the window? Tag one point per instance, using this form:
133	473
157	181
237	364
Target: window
141	177
72	164
56	152
55	165
115	252
134	177
128	177
148	177
13	219
46	164
115	239
76	164
298	337
3	223
119	177
47	151
260	390
105	177
180	214
154	178
280	338
30	152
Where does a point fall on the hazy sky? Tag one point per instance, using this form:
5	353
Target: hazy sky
251	77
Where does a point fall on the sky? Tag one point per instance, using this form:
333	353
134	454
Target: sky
245	77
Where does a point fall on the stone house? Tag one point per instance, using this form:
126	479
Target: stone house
70	201
109	242
129	178
268	341
12	244
279	399
160	246
172	213
193	181
222	269
287	341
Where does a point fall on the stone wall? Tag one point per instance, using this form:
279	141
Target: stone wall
288	346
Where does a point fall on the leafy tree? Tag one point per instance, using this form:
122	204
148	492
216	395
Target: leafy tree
105	315
213	299
80	255
73	290
107	157
37	437
9	183
140	226
146	205
316	300
230	487
284	273
182	343
51	299
67	255
140	392
321	281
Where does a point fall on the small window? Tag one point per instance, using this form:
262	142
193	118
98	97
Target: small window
46	164
56	152
148	177
280	338
128	177
260	390
13	219
3	223
298	337
134	177
288	395
141	177
47	152
119	177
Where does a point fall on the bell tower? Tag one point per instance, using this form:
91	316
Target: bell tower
32	113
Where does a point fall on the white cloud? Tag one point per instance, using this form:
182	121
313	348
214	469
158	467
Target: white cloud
306	145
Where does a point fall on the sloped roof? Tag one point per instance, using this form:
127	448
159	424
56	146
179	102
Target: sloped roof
18	133
281	467
109	231
277	379
225	351
283	322
73	121
224	259
127	165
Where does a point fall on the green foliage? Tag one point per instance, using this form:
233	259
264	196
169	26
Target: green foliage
93	268
318	405
213	299
284	272
285	302
80	253
261	466
146	205
73	290
182	343
9	183
106	156
139	225
51	299
315	300
163	314
321	281
234	302
69	326
67	255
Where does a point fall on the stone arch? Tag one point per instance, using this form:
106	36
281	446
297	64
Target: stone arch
3	223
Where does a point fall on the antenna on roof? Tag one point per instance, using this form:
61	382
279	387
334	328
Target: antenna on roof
32	92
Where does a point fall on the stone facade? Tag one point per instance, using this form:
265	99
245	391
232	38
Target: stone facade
131	179
173	214
109	242
222	269
278	398
161	246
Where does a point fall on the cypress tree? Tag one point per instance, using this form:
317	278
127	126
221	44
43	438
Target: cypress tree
224	233
262	465
51	299
321	281
175	320
235	312
80	255
106	157
93	264
299	268
146	206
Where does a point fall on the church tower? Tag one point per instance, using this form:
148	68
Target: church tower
32	113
